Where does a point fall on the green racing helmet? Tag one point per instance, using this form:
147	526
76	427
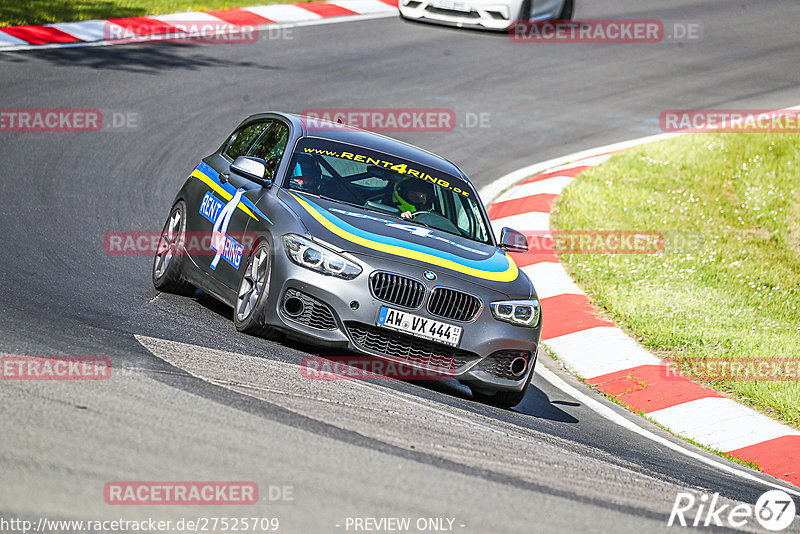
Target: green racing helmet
412	195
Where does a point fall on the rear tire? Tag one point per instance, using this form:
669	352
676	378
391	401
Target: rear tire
250	309
168	261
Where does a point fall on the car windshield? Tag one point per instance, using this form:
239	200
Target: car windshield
389	185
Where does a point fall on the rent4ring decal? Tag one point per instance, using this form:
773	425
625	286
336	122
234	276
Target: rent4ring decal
400	168
225	246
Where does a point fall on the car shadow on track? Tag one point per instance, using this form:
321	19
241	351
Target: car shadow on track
151	58
535	404
212	304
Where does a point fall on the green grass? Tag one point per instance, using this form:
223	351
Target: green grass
728	282
23	12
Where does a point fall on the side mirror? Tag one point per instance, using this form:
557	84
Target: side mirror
513	241
254	169
272	168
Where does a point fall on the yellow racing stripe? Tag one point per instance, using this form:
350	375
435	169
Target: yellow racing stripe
220	191
508	275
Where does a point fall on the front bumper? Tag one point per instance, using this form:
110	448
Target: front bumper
343	313
495	18
488	14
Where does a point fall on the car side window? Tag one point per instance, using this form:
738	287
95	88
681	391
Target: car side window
479	231
466	214
241	141
271	145
272	142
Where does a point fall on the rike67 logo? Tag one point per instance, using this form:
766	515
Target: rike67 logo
775	511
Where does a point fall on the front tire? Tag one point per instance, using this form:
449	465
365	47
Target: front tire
568	11
168	260
250	310
504	399
524	11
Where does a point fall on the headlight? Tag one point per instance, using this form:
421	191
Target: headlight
310	255
518	312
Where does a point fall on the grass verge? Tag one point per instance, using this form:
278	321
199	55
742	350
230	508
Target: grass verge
24	12
726	288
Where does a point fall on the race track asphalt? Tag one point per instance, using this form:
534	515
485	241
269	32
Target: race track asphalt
192	399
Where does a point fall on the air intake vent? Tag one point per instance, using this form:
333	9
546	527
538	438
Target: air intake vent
418	352
396	289
312	312
452	304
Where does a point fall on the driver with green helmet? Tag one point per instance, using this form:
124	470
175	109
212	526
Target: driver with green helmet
412	196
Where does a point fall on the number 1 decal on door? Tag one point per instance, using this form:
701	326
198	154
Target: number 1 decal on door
221	242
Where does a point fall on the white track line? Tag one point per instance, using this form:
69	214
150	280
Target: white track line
720	423
614	417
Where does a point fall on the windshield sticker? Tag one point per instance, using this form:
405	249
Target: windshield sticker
400	168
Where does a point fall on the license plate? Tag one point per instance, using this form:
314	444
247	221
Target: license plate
453	5
419	326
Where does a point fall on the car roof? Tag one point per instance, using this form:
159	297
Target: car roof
371	140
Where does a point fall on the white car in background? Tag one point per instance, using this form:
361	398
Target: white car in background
489	14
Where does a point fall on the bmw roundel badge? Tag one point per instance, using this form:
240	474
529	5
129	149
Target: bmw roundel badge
430	275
